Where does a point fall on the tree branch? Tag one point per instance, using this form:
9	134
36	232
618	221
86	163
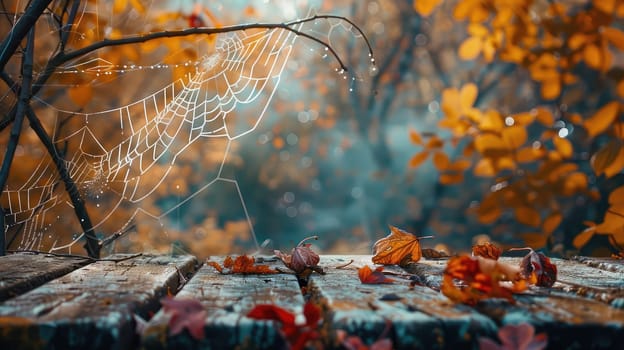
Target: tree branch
20	29
22	106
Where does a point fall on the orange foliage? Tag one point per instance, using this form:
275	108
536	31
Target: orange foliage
243	264
481	279
398	246
533	177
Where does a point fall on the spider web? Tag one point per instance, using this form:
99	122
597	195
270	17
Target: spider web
158	128
123	159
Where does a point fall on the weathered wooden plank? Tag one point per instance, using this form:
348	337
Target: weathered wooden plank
421	317
91	307
562	312
22	272
607	264
227	299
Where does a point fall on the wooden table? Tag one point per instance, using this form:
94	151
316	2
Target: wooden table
73	303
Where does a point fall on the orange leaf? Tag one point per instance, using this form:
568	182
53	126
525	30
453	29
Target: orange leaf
470	48
514	136
605	156
468	95
418	159
415	137
614	36
242	265
551	89
574	183
528	216
441	160
487	250
368	276
396	247
593	56
602	119
564	147
544	116
616	166
551	222
582	238
451	178
425	7
616	198
481	279
80	95
535	240
489	141
484	168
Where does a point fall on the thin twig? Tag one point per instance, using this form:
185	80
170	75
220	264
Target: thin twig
60	255
344	265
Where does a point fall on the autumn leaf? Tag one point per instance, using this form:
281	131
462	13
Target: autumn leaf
537	268
480	279
398	246
487	250
301	257
515	337
602	119
433	254
368	276
425	7
297	335
243	264
185	313
353	342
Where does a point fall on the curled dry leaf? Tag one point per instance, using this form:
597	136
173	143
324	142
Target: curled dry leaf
397	247
368	276
301	257
480	279
487	250
243	264
537	269
185	313
429	253
516	337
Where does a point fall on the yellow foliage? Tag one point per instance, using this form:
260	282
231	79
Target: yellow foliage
425	7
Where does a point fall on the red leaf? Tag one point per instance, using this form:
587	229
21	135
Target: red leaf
312	314
516	337
243	265
537	268
272	312
185	313
368	276
301	257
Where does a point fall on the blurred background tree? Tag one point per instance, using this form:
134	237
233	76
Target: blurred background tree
491	119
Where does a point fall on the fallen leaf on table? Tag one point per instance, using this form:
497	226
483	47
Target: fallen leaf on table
243	264
516	337
395	248
368	276
487	250
301	257
429	253
480	279
353	342
297	335
537	268
185	313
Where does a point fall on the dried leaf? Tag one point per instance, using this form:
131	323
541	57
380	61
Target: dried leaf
537	268
396	247
480	279
243	264
516	337
368	276
429	253
301	257
185	313
487	250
